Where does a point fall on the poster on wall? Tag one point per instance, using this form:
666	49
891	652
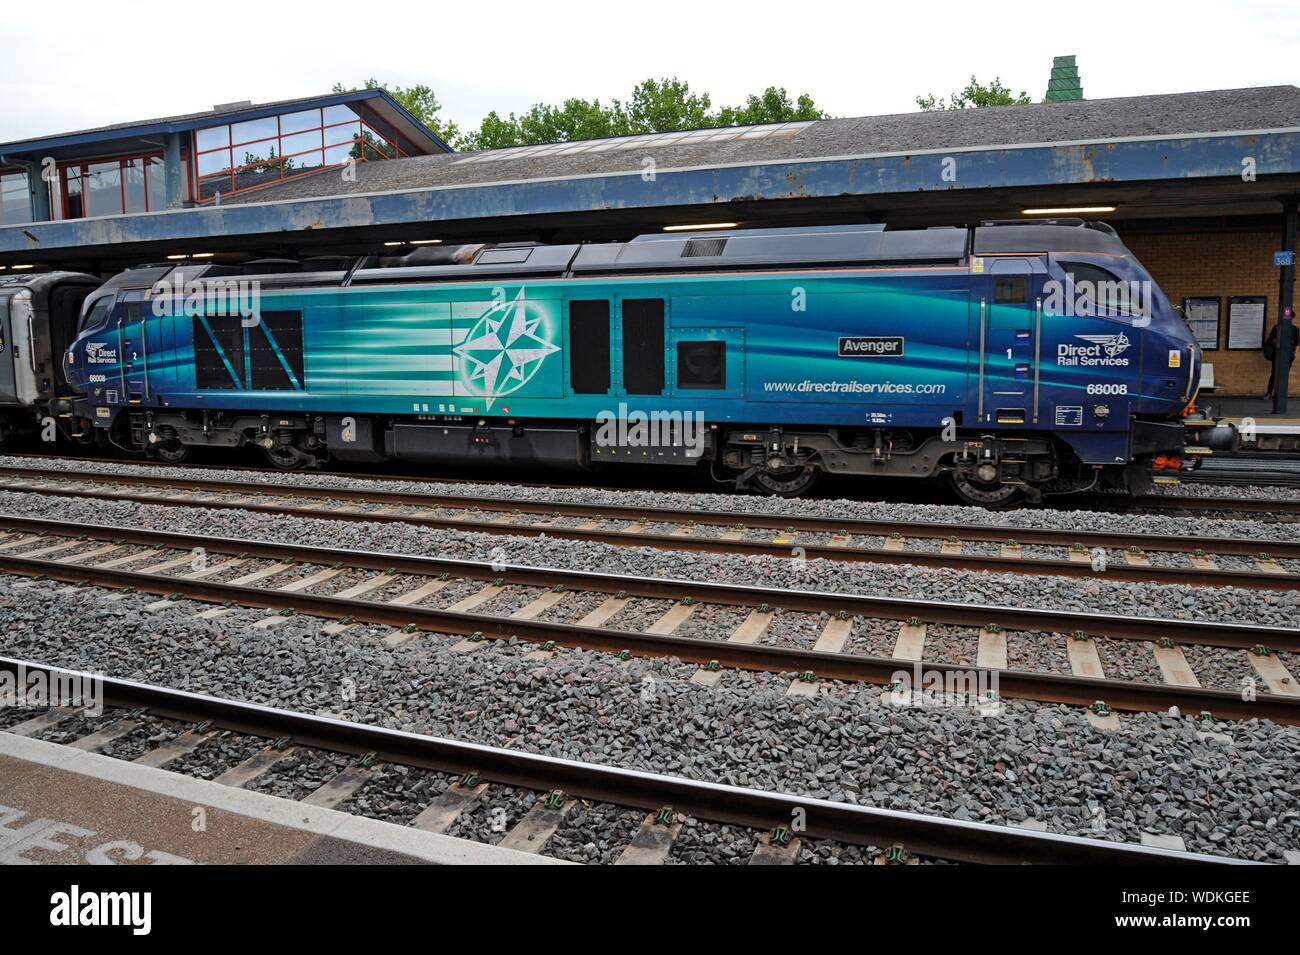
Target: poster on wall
1246	322
1202	316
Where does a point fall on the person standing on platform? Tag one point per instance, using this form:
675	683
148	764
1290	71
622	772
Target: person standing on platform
1270	351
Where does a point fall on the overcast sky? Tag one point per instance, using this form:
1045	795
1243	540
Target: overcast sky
76	65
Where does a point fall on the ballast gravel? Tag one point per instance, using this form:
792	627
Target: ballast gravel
300	774
1256	492
75	727
15	713
397	794
1224	787
1090	594
594	834
221	751
1129	660
150	734
1038	651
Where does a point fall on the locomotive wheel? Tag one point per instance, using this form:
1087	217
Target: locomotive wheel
786	482
169	452
287	457
985	495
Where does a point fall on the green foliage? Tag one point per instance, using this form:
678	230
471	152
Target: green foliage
575	119
254	166
773	106
655	106
975	95
668	105
420	101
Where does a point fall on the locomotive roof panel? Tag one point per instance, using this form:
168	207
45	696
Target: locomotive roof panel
1047	237
748	248
722	250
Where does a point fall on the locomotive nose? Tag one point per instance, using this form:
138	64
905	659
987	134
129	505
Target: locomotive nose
71	370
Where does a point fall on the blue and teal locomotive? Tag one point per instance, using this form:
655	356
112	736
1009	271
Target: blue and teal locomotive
1012	359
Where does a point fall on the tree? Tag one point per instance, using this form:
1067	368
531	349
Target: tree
975	95
665	106
773	106
420	101
655	106
575	119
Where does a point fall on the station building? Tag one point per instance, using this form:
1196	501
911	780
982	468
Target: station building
198	159
1202	186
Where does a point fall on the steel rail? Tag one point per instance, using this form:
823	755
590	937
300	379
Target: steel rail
929	530
1117	626
1248	505
920	834
1247	468
1191	576
1041	687
1117	499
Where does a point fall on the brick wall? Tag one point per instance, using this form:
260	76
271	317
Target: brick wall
1219	264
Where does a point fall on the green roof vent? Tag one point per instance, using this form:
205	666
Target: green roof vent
1064	83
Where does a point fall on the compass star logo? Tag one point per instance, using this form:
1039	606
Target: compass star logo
1112	345
504	349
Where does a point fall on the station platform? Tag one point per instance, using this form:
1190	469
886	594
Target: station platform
60	805
1262	432
1235	408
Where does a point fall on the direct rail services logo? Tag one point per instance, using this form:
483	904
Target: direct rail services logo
75	908
1100	350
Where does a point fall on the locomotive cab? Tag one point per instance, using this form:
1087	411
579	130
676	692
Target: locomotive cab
1079	346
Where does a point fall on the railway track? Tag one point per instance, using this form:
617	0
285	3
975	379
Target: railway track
481	601
667	799
1263	469
1270	565
1284	508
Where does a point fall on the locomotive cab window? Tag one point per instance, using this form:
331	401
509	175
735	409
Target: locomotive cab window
1108	294
97	314
702	364
1011	290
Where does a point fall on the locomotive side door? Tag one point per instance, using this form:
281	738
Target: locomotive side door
1009	329
133	349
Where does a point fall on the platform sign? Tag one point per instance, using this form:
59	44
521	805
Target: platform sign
1246	314
1202	316
1282	259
